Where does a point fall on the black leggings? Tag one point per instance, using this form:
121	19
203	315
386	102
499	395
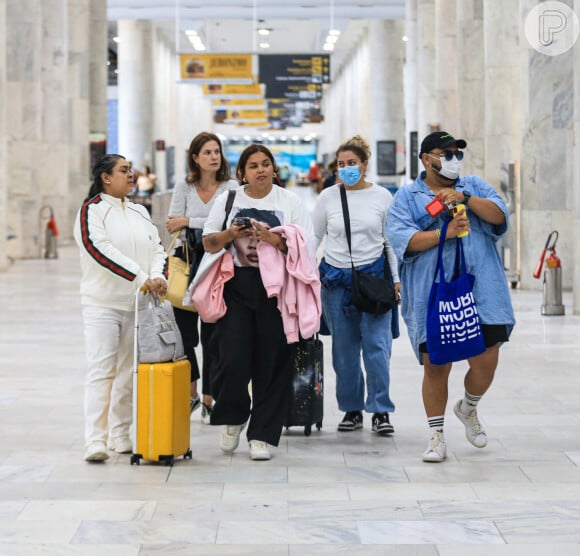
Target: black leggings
187	324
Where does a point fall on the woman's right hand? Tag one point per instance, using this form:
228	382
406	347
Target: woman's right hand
156	286
176	223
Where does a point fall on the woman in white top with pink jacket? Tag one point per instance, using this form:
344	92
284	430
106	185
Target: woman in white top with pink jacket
250	337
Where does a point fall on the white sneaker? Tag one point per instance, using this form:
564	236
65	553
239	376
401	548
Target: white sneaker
231	437
96	451
437	450
259	450
473	430
120	444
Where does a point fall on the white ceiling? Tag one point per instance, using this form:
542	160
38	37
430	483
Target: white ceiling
229	26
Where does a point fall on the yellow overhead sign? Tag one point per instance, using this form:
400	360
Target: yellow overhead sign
225	91
220	68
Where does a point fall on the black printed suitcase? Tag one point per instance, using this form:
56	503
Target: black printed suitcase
306	405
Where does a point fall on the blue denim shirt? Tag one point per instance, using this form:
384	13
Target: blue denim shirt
407	216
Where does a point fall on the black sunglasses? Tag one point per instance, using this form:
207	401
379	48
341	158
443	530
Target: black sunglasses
448	155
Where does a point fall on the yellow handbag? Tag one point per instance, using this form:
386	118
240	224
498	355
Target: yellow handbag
178	276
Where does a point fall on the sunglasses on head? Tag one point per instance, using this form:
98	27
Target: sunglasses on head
448	155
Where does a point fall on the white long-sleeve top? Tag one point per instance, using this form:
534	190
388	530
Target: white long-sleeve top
368	217
120	249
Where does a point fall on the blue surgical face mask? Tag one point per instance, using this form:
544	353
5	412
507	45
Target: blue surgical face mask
349	175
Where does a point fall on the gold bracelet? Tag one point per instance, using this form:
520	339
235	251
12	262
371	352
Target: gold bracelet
438	233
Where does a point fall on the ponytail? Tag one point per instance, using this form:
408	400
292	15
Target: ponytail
104	164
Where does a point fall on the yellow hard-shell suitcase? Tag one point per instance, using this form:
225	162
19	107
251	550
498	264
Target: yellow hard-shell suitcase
160	409
162	425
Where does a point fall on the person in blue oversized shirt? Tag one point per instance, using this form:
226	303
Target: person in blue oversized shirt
414	234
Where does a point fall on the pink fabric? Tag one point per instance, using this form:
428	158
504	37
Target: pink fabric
292	278
208	294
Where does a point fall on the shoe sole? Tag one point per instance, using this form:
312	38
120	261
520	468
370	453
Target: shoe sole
258	457
384	431
434	459
97	457
457	412
350	429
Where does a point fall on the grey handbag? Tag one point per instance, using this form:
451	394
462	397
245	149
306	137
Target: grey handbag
158	337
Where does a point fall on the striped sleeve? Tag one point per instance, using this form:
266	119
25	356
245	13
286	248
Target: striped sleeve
99	248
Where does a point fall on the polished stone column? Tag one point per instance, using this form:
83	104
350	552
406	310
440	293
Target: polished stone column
98	56
547	160
81	38
575	263
37	119
3	180
446	65
471	95
135	90
426	40
410	80
386	96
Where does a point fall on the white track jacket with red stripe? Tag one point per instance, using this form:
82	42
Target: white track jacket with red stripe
120	248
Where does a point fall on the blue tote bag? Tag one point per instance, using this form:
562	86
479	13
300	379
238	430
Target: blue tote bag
453	327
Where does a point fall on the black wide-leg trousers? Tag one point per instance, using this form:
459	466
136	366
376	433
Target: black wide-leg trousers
249	345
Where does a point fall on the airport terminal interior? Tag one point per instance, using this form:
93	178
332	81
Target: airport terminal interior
80	78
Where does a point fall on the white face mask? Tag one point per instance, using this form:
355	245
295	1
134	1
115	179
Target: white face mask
450	169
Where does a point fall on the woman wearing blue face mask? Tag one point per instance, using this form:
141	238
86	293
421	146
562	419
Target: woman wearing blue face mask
355	332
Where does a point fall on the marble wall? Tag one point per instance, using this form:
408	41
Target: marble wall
410	80
575	262
426	40
547	160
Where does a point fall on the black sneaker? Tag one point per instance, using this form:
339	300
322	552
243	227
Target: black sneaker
194	403
352	421
382	425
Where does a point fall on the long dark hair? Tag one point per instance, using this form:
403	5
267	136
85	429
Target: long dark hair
104	164
194	174
249	151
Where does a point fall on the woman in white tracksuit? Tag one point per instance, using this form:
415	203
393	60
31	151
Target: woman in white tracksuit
120	251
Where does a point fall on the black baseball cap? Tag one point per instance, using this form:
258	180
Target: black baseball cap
440	140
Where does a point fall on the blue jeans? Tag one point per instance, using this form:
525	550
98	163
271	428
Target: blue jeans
353	332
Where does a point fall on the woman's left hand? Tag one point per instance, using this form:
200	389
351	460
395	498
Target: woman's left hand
261	233
156	286
398	292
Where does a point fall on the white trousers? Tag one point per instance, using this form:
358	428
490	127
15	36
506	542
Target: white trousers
109	382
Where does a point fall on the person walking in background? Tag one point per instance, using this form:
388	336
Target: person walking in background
120	251
355	332
191	202
415	235
251	338
331	178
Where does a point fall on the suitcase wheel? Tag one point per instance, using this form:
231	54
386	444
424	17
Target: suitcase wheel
319	425
188	454
135	459
307	430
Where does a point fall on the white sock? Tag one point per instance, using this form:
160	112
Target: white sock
469	403
436	423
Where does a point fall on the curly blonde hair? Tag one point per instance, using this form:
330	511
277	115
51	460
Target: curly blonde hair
357	145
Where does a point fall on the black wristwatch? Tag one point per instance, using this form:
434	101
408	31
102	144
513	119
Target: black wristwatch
466	197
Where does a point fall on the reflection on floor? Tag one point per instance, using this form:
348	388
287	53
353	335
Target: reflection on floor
348	493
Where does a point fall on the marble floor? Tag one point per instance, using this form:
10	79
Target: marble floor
329	494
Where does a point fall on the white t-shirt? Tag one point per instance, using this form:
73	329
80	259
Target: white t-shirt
278	208
368	216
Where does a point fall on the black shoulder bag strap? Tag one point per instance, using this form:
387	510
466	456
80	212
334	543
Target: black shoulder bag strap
346	216
229	205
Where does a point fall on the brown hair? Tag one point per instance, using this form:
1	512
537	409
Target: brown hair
357	145
249	151
194	174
